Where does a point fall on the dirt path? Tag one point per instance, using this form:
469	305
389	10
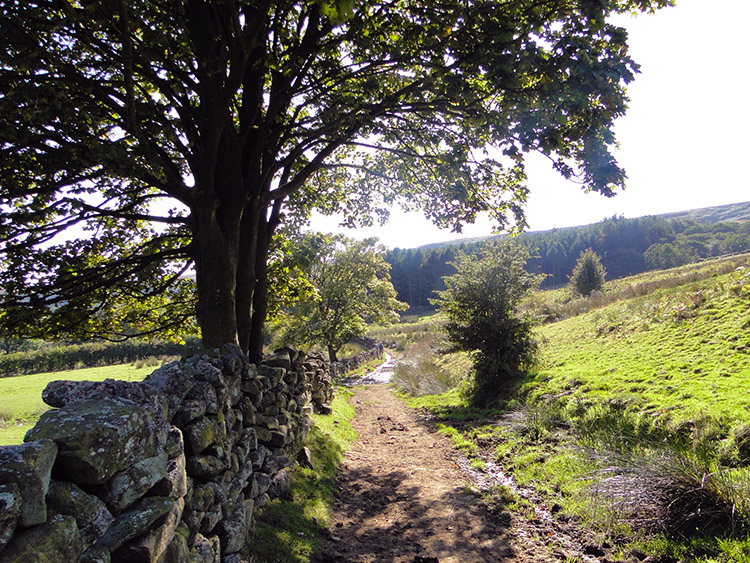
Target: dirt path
404	498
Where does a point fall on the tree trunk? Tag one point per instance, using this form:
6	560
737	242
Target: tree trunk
253	224
216	244
260	307
260	297
332	354
215	279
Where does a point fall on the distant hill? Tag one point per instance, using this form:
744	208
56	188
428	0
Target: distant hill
626	246
717	214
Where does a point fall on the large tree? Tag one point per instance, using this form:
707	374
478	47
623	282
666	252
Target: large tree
176	131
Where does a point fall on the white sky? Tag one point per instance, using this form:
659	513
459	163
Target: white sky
684	142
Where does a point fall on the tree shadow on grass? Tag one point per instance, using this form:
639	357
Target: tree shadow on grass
287	531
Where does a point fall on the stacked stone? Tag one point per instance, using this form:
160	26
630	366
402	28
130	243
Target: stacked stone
341	368
169	469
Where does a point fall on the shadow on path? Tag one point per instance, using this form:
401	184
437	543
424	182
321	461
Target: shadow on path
403	498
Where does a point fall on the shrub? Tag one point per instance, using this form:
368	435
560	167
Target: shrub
93	354
588	274
480	302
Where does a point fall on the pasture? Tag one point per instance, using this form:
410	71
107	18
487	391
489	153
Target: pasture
22	402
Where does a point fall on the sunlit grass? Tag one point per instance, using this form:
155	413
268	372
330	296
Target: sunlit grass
674	356
22	401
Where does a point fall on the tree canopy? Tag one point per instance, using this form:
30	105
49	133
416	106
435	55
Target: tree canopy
180	134
588	275
351	289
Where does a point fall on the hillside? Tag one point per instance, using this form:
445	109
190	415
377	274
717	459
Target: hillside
675	350
718	214
626	246
710	215
635	427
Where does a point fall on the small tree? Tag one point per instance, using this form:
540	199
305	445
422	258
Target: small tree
351	288
480	301
588	274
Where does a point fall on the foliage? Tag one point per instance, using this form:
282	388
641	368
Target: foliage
668	255
588	274
290	258
351	289
72	356
185	134
480	302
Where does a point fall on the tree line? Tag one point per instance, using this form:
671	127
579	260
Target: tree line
626	247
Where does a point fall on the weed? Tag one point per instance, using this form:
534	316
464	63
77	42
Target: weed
478	464
472	490
466	446
499	501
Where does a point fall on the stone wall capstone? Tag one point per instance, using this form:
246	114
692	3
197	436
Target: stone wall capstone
167	470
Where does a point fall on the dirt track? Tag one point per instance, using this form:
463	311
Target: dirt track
404	498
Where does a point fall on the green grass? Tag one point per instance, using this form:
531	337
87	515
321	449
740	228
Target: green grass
293	531
675	355
559	304
459	441
22	395
644	394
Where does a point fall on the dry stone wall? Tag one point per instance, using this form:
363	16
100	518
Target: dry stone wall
169	469
341	368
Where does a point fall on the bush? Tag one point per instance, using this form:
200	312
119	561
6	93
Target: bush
480	302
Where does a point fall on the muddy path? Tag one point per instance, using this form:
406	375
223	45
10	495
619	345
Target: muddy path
405	498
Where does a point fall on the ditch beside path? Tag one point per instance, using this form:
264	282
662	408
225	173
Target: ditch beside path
404	498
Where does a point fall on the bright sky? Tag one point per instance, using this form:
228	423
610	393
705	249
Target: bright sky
684	142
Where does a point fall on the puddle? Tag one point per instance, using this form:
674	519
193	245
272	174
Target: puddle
381	374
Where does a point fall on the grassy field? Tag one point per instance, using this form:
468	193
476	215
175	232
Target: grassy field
677	353
637	424
22	396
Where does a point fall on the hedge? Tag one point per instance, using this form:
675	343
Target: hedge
94	354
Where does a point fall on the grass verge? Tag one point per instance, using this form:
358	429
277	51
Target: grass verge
294	530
